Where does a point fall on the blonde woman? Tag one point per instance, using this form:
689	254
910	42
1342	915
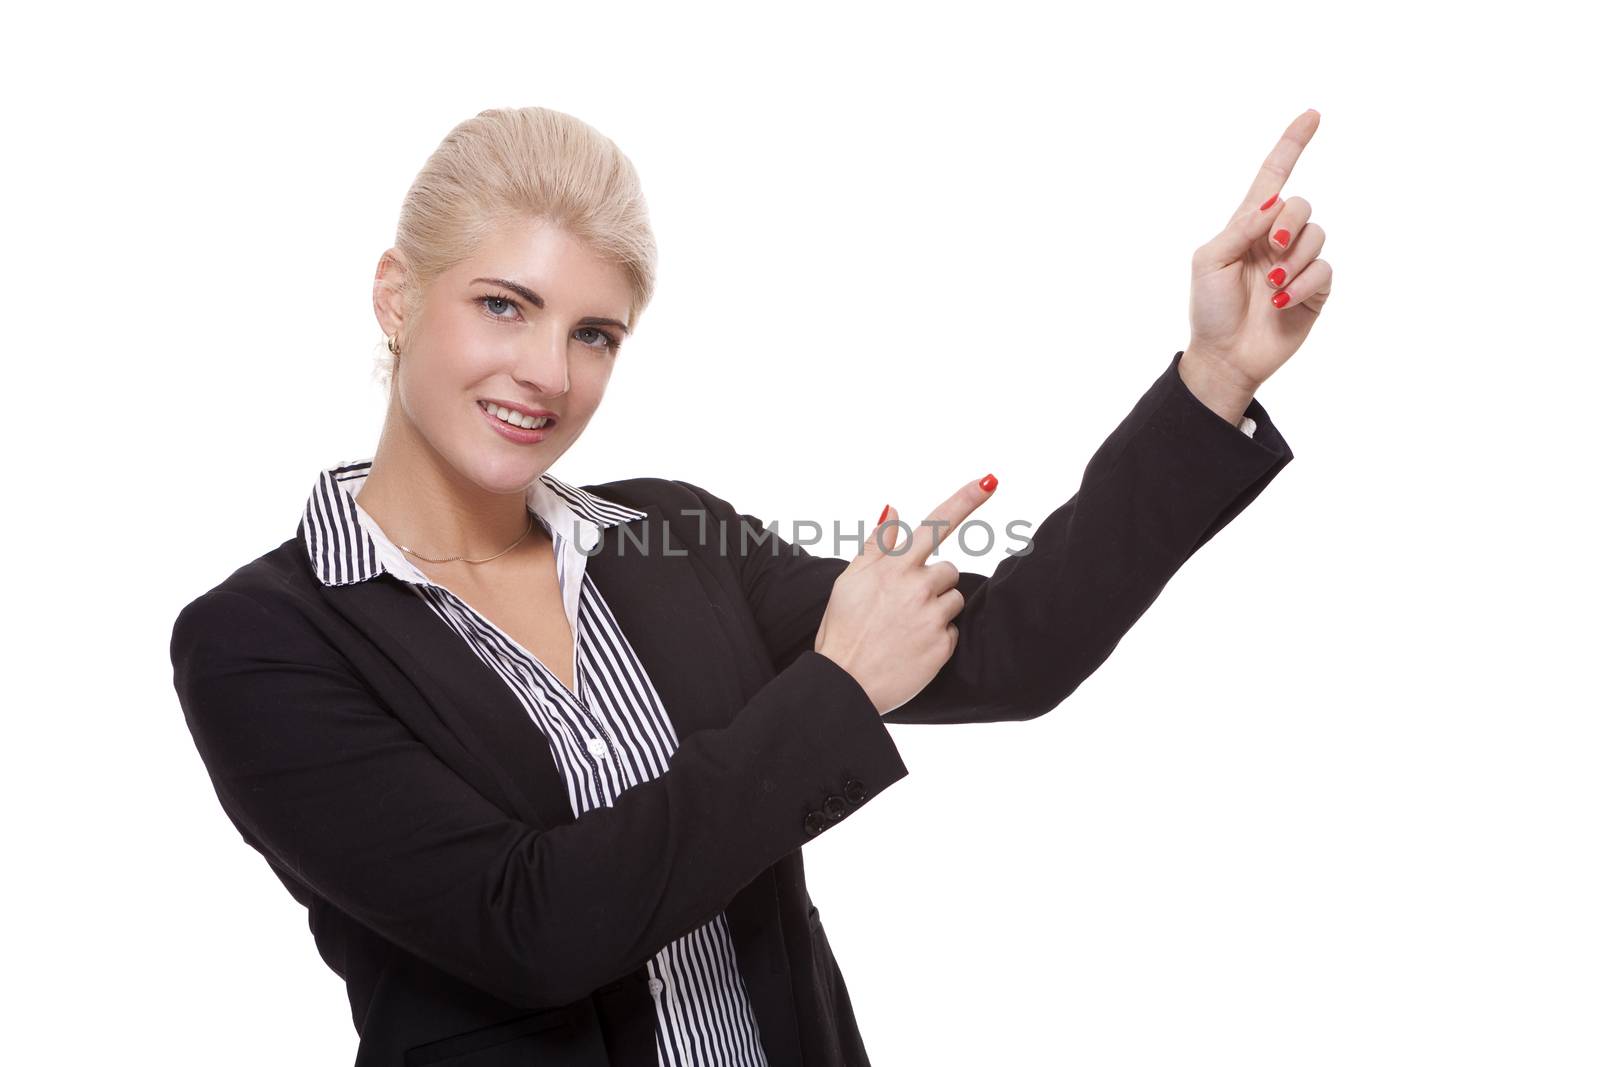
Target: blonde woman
540	758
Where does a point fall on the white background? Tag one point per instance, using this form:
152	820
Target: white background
1331	801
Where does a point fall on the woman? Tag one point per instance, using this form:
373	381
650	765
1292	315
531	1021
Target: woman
539	759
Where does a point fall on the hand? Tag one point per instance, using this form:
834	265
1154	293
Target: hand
1238	334
888	619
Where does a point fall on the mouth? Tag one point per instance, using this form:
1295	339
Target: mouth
516	419
515	430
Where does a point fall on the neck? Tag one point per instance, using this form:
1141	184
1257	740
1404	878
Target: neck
422	502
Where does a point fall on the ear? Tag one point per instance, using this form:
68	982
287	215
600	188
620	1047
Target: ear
388	298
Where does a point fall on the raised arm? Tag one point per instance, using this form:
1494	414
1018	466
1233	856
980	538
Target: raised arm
340	796
1169	477
1172	474
1164	482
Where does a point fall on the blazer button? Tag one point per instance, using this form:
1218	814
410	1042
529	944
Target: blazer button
834	808
816	822
855	790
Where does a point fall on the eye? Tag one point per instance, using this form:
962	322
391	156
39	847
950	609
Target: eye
494	304
605	340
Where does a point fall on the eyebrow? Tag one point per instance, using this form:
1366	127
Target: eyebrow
538	301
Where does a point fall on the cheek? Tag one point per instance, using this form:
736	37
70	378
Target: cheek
435	392
589	386
419	399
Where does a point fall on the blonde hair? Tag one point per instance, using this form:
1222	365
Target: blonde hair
505	165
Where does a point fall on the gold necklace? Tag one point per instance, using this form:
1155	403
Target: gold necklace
463	559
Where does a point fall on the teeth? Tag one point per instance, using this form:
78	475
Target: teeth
527	422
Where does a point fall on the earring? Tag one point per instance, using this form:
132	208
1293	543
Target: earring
394	346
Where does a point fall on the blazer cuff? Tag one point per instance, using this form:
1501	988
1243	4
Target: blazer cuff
847	736
1176	410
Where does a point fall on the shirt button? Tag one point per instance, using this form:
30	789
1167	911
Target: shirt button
656	986
598	749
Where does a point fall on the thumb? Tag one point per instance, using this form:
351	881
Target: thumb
1247	227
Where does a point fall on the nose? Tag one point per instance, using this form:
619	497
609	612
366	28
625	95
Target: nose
542	363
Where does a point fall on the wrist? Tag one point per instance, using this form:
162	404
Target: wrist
1216	383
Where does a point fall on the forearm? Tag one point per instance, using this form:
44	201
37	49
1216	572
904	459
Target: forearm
1171	475
1174	472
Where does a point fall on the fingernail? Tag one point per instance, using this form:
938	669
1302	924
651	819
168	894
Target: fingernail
885	515
1281	238
1273	199
1280	298
1277	276
988	483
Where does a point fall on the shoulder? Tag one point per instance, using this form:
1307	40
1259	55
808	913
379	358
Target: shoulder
277	585
691	518
673	498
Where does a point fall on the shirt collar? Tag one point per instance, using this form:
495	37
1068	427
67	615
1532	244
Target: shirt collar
342	550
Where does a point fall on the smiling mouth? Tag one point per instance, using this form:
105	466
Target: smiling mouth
516	420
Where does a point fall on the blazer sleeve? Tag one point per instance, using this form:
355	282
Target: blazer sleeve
331	787
1169	477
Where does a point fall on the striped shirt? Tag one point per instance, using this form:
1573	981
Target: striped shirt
612	733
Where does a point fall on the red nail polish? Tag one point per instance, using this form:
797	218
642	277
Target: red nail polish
885	515
988	483
1273	199
1280	298
1281	238
1277	276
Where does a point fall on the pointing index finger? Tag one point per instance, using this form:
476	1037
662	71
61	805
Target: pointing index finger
949	515
1280	161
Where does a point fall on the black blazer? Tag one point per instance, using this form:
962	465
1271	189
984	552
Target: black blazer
400	793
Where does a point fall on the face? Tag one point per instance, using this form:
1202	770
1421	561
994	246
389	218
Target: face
532	319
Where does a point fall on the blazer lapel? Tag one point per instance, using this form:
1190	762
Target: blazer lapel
663	604
673	615
467	713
